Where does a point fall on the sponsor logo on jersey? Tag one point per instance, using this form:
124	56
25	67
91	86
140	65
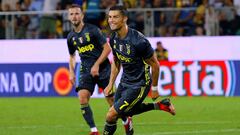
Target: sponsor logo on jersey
86	48
123	58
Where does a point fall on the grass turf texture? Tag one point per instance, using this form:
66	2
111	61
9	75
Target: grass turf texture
62	116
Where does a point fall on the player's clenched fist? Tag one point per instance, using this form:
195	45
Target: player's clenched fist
95	70
108	91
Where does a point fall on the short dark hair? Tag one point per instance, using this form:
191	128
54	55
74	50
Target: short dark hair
75	6
159	42
120	8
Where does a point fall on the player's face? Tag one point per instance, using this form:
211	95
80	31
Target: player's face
116	20
75	16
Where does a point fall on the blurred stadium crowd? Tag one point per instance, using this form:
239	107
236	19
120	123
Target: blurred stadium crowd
156	18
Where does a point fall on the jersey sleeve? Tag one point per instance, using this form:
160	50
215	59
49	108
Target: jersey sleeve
99	36
145	49
111	42
71	47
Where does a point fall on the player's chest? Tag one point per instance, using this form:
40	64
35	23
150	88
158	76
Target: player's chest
124	50
84	42
82	39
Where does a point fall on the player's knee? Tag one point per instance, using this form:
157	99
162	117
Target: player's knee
84	96
110	100
83	100
112	115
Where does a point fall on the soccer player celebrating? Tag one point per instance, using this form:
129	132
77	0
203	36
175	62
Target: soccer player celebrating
95	67
134	53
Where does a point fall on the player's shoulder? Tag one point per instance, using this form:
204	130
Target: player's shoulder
70	35
91	26
113	35
137	37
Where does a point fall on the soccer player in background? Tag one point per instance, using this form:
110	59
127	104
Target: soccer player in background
134	53
93	50
95	67
161	52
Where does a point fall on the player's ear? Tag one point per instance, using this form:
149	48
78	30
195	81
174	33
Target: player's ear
83	13
83	16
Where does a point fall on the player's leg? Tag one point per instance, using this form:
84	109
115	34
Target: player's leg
125	97
111	122
132	98
110	100
111	118
85	90
126	120
163	105
138	107
113	114
84	96
128	124
102	82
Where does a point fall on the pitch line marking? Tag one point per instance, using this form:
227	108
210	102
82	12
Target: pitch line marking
184	123
196	132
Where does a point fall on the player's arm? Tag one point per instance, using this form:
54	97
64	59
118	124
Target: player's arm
72	63
115	69
72	59
152	61
106	50
150	58
101	59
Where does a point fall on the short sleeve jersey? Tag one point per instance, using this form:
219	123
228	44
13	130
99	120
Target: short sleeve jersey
89	44
131	52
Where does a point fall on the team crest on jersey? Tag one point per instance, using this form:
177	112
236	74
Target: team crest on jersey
80	40
114	45
74	42
121	47
87	36
128	49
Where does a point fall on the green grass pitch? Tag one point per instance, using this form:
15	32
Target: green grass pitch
61	116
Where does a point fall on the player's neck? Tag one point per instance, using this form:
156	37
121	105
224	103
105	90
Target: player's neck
79	28
122	33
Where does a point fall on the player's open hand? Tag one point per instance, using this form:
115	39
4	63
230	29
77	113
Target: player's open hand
95	70
72	78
